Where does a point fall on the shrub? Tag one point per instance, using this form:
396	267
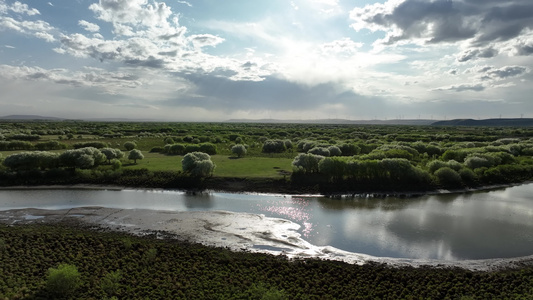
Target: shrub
260	291
474	162
448	177
111	153
306	163
50	145
31	160
192	148
288	144
63	280
135	155
398	153
157	149
319	151
176	149
434	165
82	158
239	150
97	145
274	146
110	283
454	165
198	164
305	145
208	148
468	176
332	167
349	149
334	151
130	146
24	137
116	164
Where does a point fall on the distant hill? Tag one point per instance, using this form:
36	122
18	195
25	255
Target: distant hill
337	121
29	118
522	122
43	118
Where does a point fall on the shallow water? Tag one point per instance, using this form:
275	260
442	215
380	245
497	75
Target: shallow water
480	225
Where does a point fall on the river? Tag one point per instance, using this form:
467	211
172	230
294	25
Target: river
447	227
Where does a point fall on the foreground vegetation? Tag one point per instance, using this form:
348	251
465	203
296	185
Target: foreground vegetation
66	261
265	157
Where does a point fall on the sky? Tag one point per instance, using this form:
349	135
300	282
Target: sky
214	60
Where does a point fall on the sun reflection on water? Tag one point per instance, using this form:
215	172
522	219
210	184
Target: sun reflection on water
294	209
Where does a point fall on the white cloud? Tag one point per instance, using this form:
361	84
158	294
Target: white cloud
462	88
185	2
21	8
204	40
89	26
39	29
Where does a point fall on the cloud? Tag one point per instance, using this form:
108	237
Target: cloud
462	88
504	73
39	29
346	46
479	22
204	40
185	2
411	20
129	17
92	77
472	54
89	26
222	93
20	8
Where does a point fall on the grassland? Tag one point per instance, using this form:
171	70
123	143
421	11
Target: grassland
373	158
226	166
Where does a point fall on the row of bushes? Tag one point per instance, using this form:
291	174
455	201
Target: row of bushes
25	145
477	169
181	149
83	158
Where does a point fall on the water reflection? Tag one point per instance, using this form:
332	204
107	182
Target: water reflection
493	224
198	201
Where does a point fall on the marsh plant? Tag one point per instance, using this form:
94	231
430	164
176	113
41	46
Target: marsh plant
150	255
63	280
110	283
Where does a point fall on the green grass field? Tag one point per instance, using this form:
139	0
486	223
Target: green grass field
227	166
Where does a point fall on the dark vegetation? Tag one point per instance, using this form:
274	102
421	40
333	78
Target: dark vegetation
334	158
70	262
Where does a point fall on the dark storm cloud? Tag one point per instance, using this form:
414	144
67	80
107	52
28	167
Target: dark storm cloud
448	20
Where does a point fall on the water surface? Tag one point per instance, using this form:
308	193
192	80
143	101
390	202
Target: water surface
494	224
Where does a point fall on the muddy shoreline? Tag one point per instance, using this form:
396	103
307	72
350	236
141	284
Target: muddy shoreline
235	231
